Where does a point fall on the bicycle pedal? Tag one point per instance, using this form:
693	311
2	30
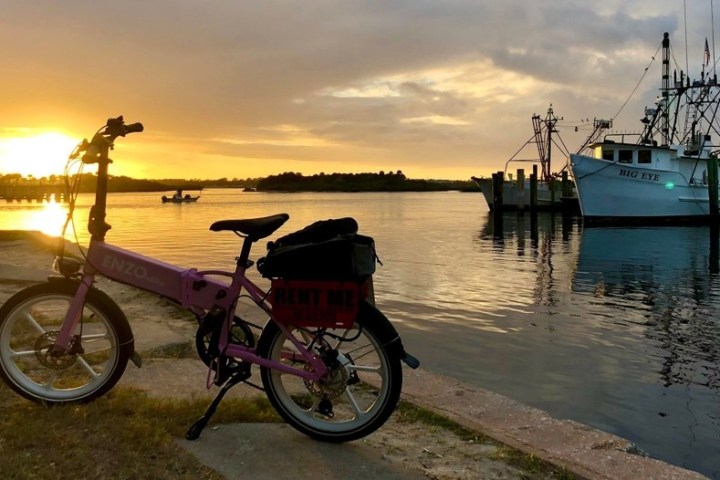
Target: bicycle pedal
221	375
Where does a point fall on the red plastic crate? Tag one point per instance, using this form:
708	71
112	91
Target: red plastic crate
315	303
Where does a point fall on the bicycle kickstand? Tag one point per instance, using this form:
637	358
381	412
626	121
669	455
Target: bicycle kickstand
194	432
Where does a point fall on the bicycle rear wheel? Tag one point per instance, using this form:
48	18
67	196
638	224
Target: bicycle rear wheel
29	323
356	397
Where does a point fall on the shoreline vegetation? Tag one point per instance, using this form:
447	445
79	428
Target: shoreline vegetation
284	182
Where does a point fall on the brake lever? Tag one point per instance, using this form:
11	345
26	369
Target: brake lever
79	148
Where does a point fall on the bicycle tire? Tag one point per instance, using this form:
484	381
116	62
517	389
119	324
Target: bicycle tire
28	322
365	386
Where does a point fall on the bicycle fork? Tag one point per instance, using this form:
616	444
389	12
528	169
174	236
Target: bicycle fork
67	342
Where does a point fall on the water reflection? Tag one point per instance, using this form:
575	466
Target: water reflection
46	217
623	333
546	239
666	280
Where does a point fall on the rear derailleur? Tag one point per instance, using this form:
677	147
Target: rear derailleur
334	383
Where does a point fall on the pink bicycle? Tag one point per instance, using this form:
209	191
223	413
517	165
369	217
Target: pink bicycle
330	364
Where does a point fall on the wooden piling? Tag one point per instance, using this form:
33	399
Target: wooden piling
497	190
566	188
712	168
521	188
533	189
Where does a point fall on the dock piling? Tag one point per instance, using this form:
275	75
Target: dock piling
712	169
521	189
566	187
533	189
497	190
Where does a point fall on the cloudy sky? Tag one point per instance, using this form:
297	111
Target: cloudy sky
245	88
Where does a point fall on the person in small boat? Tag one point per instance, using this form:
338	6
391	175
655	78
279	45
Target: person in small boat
178	195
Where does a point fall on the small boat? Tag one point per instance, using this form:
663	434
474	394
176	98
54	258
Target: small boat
184	199
554	189
666	172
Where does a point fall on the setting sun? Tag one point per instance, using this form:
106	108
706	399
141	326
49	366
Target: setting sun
38	155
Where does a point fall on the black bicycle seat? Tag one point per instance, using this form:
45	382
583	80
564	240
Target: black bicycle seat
254	228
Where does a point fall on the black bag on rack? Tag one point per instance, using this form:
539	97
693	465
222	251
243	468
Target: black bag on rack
326	250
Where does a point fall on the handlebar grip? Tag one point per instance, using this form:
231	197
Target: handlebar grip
134	127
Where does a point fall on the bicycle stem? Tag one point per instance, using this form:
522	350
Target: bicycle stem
96	222
98	152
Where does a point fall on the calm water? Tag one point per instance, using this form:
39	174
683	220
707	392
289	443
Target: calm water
615	328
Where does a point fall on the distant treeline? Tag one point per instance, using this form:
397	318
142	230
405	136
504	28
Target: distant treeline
356	182
285	182
127	184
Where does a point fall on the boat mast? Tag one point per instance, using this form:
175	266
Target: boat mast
550	120
665	91
544	143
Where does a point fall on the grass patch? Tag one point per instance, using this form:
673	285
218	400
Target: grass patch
123	435
528	463
128	435
172	350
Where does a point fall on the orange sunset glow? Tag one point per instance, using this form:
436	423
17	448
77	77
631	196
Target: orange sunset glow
246	89
36	154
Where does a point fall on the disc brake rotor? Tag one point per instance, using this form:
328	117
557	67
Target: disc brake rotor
43	352
331	386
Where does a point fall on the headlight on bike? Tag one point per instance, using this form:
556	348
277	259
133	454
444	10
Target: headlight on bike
67	267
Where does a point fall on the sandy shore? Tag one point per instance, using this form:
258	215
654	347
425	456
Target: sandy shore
26	258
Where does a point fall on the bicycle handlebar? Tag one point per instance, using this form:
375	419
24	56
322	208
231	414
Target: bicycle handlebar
97	149
136	127
116	127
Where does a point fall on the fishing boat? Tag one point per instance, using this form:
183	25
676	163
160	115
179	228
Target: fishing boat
668	172
552	193
185	199
178	197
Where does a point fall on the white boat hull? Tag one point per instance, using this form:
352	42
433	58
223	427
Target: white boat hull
610	190
515	197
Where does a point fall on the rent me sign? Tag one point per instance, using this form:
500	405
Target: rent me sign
315	303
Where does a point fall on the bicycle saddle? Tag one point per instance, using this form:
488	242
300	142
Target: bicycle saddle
254	228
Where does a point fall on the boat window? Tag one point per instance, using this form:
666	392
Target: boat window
607	154
625	156
644	156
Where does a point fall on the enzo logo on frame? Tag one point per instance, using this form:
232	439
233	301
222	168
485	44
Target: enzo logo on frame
128	268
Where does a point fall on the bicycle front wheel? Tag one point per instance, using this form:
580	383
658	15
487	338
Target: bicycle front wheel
29	324
357	396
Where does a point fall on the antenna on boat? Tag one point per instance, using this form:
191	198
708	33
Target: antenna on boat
665	90
712	20
687	64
